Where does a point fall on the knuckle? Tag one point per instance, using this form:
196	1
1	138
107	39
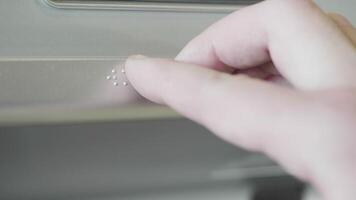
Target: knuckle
216	83
216	77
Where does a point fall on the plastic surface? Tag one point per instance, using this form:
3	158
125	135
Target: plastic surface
60	90
172	6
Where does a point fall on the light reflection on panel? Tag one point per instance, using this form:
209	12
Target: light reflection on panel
154	5
175	1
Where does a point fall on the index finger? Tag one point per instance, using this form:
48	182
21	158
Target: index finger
304	44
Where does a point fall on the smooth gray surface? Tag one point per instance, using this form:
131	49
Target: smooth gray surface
127	158
36	83
58	90
30	28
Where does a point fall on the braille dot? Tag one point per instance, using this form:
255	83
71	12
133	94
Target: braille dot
125	83
115	83
123	71
113	71
114	77
108	77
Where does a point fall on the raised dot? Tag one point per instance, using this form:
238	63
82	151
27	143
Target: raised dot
114	77
123	71
113	71
115	83
108	77
125	83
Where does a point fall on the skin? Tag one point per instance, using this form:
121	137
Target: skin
277	77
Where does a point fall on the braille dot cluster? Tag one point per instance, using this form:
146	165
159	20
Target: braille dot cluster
114	78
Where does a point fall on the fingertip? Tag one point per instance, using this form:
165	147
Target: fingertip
189	54
131	66
137	56
140	65
133	60
140	72
181	56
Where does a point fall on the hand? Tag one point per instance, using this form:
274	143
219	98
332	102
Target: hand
278	77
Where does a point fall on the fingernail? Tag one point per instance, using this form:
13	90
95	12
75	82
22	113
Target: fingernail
132	60
137	57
